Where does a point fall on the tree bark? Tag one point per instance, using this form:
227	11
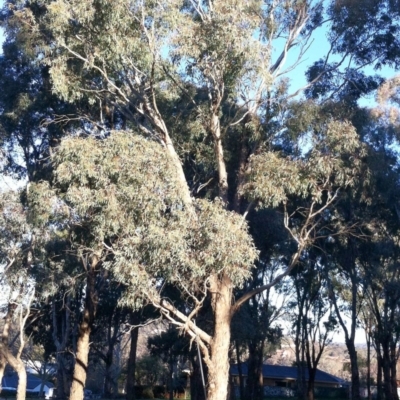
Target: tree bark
254	387
369	394
350	336
379	371
2	369
311	384
218	363
22	380
393	369
355	375
81	362
219	156
85	327
15	361
130	379
239	365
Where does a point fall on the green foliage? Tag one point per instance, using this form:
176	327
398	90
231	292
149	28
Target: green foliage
149	371
334	161
122	192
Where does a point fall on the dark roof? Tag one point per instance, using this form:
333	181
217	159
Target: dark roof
283	372
11	381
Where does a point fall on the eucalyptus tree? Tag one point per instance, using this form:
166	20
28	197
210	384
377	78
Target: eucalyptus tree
110	325
118	223
19	251
138	57
383	297
346	298
313	321
108	187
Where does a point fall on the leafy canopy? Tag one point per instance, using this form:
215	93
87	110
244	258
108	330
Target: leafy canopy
123	193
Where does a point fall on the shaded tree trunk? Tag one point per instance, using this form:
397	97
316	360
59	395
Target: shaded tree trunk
196	383
351	333
239	364
254	387
130	379
393	369
311	383
355	375
387	384
61	322
379	372
369	394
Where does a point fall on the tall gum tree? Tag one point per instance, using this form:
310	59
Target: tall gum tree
125	192
17	257
135	55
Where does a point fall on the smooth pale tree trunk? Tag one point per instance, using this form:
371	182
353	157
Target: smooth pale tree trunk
22	381
218	364
2	369
85	327
81	362
7	357
130	379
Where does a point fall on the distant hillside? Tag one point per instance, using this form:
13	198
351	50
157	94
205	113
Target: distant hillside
335	359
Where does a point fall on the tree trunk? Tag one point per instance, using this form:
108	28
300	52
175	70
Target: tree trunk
81	362
196	385
218	364
379	372
387	381
219	156
109	382
251	372
393	368
255	381
239	365
311	384
130	379
7	357
22	381
61	324
2	368
85	327
369	394
355	375
171	380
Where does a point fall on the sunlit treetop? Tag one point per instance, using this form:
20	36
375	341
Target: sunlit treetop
119	196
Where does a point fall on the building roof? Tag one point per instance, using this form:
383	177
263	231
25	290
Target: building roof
11	381
283	372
